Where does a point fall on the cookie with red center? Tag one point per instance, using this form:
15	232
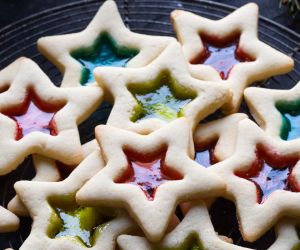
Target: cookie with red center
39	118
148	98
60	223
105	42
149	175
228	50
276	111
215	141
262	178
195	231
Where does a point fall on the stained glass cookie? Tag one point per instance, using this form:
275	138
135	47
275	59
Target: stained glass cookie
147	98
228	50
149	175
262	179
105	42
39	118
276	111
195	232
215	141
60	223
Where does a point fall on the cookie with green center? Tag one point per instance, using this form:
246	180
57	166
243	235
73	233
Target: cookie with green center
46	170
263	179
105	42
60	223
39	118
228	50
216	140
147	98
276	111
195	232
149	175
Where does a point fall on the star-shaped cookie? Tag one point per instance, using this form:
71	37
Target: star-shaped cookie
194	232
149	175
105	41
276	111
215	141
147	98
262	178
59	223
228	50
39	118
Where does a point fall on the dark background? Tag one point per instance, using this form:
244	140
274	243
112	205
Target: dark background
14	10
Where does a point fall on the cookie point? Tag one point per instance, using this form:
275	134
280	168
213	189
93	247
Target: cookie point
176	13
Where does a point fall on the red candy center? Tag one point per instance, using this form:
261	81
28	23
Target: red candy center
221	55
33	115
148	173
271	172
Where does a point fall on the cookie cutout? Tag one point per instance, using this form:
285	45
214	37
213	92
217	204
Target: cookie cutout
262	179
105	42
276	111
46	170
215	141
22	83
8	221
194	232
59	223
147	98
228	50
165	153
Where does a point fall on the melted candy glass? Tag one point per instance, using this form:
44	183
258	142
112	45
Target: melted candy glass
222	56
32	117
148	175
162	101
104	52
269	178
80	224
290	114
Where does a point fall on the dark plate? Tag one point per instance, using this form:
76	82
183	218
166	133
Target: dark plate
149	17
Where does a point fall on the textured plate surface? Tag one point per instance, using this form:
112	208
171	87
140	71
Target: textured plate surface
149	17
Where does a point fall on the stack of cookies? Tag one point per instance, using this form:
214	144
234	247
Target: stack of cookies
150	176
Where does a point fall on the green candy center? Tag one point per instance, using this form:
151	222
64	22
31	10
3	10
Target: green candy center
163	98
290	115
80	224
104	52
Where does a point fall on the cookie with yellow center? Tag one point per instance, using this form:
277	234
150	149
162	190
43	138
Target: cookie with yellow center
60	223
148	98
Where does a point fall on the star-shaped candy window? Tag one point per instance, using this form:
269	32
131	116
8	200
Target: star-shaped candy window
290	114
270	173
163	99
104	52
79	223
34	115
221	55
148	173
